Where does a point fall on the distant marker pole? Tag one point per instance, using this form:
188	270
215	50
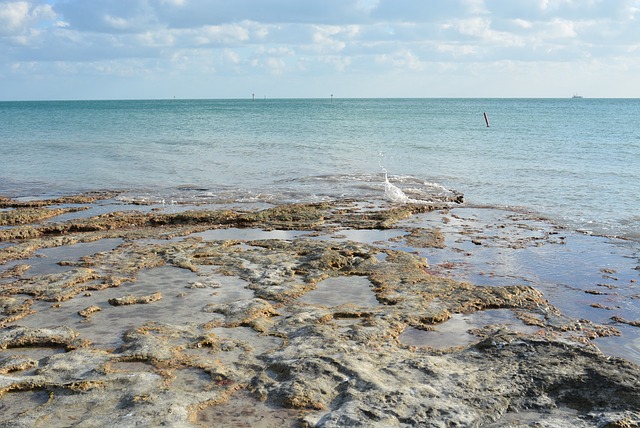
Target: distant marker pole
253	97
331	97
486	118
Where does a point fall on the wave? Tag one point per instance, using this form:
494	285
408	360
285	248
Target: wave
437	192
318	188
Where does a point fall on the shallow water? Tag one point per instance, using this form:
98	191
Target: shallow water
455	331
247	234
569	159
180	301
627	346
47	260
344	290
242	410
586	277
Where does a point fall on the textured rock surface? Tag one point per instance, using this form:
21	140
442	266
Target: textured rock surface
227	337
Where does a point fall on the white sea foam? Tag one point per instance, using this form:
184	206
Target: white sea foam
395	194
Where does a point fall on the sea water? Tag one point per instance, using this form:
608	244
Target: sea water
573	160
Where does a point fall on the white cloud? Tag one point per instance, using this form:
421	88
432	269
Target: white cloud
174	2
312	39
560	28
276	65
457	50
17	17
13	16
221	35
156	39
521	23
402	59
117	23
232	56
338	63
326	38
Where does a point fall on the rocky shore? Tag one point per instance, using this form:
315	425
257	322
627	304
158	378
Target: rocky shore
303	315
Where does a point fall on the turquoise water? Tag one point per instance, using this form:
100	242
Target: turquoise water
575	160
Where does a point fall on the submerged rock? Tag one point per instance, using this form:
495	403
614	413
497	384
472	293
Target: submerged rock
135	300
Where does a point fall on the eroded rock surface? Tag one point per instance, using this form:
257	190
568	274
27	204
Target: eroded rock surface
250	349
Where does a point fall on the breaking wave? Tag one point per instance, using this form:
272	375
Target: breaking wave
438	193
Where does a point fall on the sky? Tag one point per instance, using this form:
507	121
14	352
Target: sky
158	49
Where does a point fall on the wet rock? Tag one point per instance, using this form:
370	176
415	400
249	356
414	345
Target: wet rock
377	388
18	336
135	300
12	309
31	215
17	363
85	198
15	271
75	368
146	344
624	321
88	311
201	285
423	238
56	287
253	313
310	363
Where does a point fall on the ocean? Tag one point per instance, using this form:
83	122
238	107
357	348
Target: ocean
574	161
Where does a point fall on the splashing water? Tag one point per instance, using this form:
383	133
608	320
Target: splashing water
395	194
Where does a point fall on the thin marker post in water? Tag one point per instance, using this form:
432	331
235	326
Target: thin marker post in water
486	118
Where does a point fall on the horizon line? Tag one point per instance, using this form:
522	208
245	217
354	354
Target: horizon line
328	97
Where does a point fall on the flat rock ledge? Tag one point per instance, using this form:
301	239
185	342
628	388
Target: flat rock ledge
254	351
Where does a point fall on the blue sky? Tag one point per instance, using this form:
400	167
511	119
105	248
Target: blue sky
120	49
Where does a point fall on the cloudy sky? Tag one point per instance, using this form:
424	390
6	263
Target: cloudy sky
106	49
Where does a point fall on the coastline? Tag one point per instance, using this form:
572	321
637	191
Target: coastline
329	314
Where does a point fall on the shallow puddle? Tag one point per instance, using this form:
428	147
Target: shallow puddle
368	236
34	352
355	290
184	295
626	346
242	410
131	366
223	289
96	209
46	260
586	277
455	331
247	234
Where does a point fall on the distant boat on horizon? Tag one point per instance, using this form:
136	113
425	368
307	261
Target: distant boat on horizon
576	96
